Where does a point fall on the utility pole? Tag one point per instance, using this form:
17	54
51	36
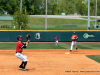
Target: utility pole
46	17
20	12
96	14
88	28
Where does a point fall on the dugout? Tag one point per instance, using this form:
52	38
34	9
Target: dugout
6	21
97	25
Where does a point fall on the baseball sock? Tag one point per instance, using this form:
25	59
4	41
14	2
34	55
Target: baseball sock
25	63
22	63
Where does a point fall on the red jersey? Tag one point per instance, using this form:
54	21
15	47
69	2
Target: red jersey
18	47
74	36
56	38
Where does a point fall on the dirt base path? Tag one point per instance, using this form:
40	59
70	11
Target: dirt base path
50	62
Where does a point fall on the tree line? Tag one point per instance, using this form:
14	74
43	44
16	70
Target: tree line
54	7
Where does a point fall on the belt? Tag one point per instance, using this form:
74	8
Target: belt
17	52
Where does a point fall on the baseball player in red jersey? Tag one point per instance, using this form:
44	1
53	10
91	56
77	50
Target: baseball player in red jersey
56	42
19	49
74	41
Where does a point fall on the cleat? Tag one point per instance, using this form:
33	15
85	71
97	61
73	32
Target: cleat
70	50
20	66
24	69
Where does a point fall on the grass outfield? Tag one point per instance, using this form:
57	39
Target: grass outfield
12	46
94	57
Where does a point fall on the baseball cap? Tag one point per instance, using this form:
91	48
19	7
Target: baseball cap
73	32
18	36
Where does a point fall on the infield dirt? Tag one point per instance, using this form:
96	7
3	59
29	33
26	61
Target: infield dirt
50	62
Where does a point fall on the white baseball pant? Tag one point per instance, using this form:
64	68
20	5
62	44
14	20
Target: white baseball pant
73	43
56	42
21	56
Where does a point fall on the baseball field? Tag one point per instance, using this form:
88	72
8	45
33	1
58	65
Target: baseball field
48	59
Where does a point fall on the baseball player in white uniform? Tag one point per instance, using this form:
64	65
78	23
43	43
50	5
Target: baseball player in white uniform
56	42
74	41
19	49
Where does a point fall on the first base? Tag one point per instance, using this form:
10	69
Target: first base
67	53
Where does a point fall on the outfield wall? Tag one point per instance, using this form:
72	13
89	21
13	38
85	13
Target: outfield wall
49	36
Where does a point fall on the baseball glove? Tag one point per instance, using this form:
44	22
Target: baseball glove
73	38
28	36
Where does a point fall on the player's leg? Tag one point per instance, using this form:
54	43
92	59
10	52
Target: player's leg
56	42
23	58
25	63
72	45
75	44
21	66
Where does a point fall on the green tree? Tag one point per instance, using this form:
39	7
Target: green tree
2	6
98	7
82	8
21	20
12	6
65	6
55	7
92	6
36	6
52	5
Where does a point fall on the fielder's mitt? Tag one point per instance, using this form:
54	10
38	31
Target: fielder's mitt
28	36
73	38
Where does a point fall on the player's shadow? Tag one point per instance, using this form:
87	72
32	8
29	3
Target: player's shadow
75	51
29	69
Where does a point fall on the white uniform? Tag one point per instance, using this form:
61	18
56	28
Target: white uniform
74	42
56	42
21	56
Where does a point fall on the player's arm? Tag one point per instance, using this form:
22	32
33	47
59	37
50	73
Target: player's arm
76	37
58	38
25	44
72	38
28	41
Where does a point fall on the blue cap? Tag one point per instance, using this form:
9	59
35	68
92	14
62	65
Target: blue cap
18	36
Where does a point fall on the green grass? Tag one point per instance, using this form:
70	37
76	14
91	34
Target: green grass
32	46
54	21
87	18
12	46
7	46
38	23
94	57
5	22
56	24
